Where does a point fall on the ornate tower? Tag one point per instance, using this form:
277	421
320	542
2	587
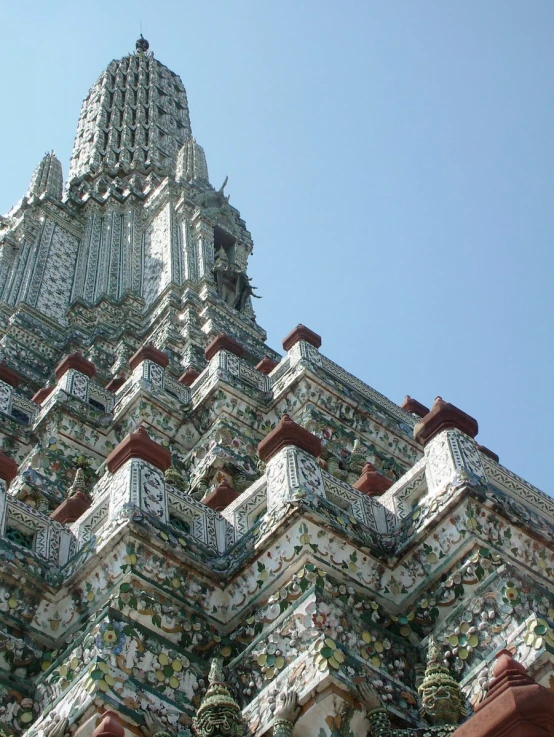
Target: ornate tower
140	248
175	493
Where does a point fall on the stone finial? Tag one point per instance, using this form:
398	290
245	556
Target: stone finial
47	178
488	452
372	482
220	497
75	361
514	705
223	342
442	701
218	708
77	502
189	376
8	375
42	394
8	468
266	365
139	445
109	726
116	383
142	45
301	332
444	416
412	405
148	353
288	432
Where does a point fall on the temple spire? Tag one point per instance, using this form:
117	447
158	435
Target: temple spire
47	178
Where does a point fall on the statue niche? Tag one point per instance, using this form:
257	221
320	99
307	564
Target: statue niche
233	284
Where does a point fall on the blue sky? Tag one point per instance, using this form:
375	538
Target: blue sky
394	162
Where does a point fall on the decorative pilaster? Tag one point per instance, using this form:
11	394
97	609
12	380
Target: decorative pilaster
292	471
137	466
73	373
148	364
451	452
205	248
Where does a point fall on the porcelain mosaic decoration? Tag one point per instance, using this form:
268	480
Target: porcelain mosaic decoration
199	535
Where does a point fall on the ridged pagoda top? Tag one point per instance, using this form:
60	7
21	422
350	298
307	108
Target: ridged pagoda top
134	117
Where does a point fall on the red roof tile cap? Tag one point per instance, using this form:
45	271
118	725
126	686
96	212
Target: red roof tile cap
288	432
444	416
75	361
301	332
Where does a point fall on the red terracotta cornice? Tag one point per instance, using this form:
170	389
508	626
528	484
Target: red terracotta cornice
8	468
444	416
149	353
42	394
412	405
189	376
488	452
372	482
116	383
266	365
515	706
75	361
139	445
223	342
220	497
301	332
71	509
287	432
8	375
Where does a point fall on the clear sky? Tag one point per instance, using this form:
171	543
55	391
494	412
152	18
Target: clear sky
393	160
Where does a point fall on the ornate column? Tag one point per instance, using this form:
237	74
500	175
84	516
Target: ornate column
205	247
290	452
73	373
452	456
137	484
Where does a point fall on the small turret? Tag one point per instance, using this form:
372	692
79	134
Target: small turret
191	163
47	178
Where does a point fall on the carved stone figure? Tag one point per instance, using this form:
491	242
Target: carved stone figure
243	290
441	698
286	715
218	715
